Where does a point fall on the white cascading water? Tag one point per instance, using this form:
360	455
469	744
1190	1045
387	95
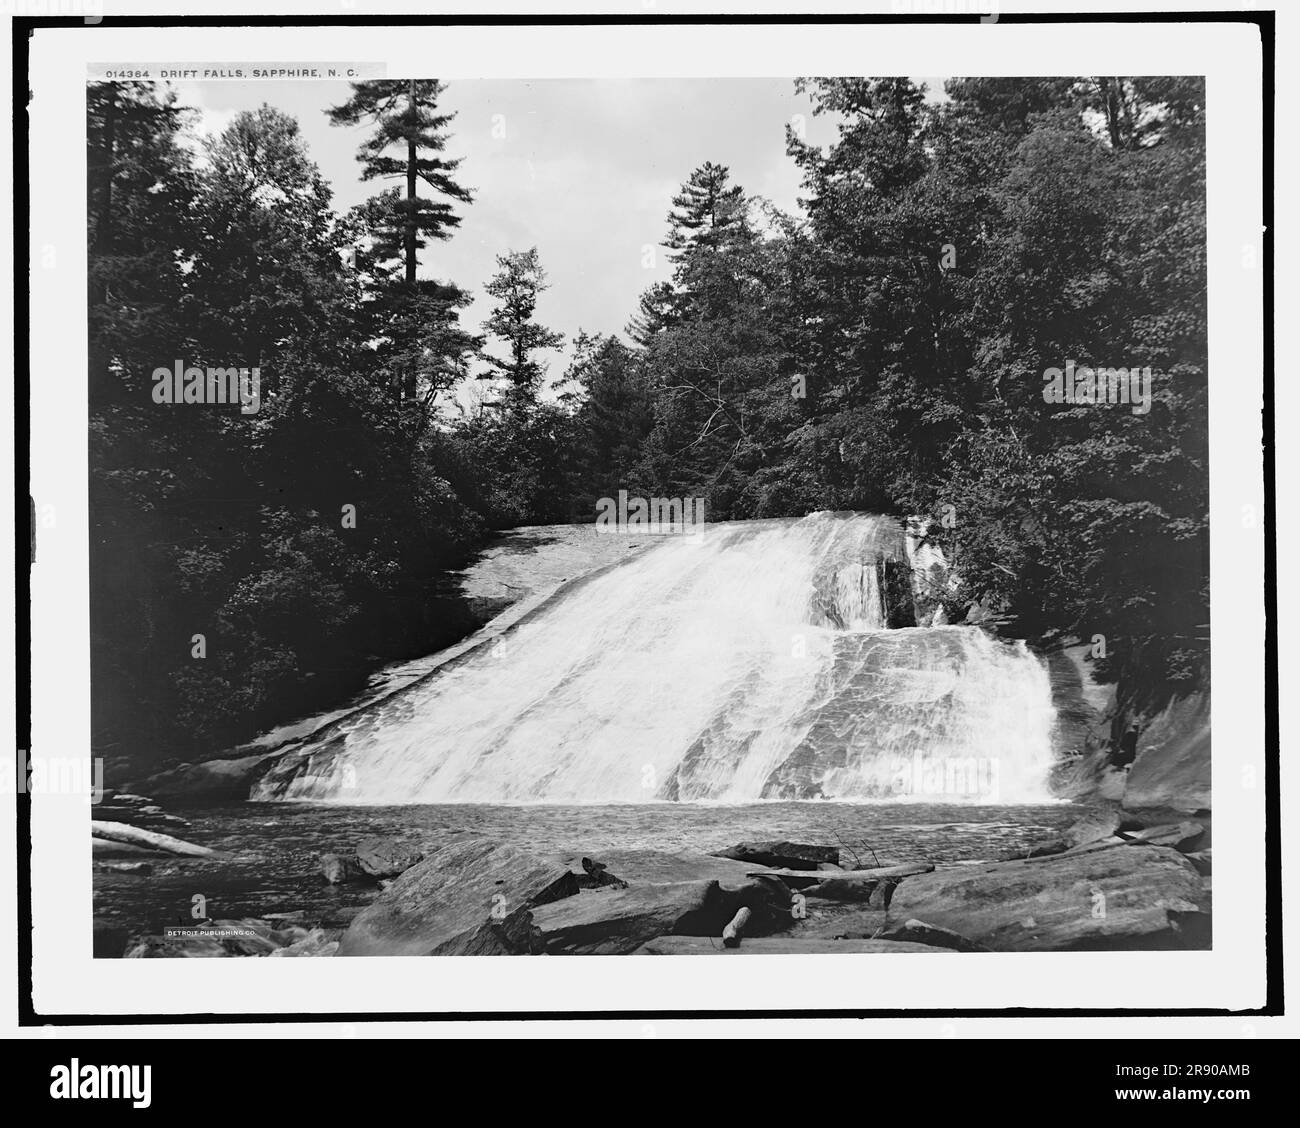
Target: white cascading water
752	661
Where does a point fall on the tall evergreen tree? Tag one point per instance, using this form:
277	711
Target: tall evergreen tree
416	319
516	286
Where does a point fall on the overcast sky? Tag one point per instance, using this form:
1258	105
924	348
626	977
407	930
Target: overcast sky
585	171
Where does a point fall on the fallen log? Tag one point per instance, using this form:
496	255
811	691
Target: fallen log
908	869
731	934
147	839
861	885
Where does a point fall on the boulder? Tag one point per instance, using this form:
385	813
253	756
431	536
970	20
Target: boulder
1102	823
339	869
470	896
781	855
387	857
617	921
124	834
1141	897
776	945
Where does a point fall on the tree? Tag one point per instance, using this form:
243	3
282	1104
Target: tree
416	320
403	115
518	282
707	211
140	190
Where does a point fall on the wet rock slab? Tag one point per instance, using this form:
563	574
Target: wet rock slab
470	896
1120	897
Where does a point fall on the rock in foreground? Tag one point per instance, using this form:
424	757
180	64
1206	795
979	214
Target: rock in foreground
613	921
469	897
387	857
617	921
1130	897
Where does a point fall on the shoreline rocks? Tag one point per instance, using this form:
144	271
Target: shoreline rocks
1116	881
1111	898
469	896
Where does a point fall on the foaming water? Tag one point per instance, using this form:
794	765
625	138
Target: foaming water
752	661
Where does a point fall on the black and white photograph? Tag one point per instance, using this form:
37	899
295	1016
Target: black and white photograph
866	541
539	493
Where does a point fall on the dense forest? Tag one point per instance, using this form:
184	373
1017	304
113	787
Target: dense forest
884	351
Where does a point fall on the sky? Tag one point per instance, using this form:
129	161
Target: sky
583	169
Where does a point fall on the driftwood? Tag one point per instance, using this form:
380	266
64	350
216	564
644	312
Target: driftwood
146	839
908	869
731	934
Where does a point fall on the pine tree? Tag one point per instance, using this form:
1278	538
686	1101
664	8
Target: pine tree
707	212
516	286
404	116
416	320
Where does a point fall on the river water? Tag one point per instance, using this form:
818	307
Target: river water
274	847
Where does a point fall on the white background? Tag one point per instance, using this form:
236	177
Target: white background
1230	976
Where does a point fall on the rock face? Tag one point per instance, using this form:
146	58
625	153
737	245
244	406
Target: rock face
1123	897
470	896
782	855
1172	767
212	780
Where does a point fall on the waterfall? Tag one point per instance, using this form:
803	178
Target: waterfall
754	660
